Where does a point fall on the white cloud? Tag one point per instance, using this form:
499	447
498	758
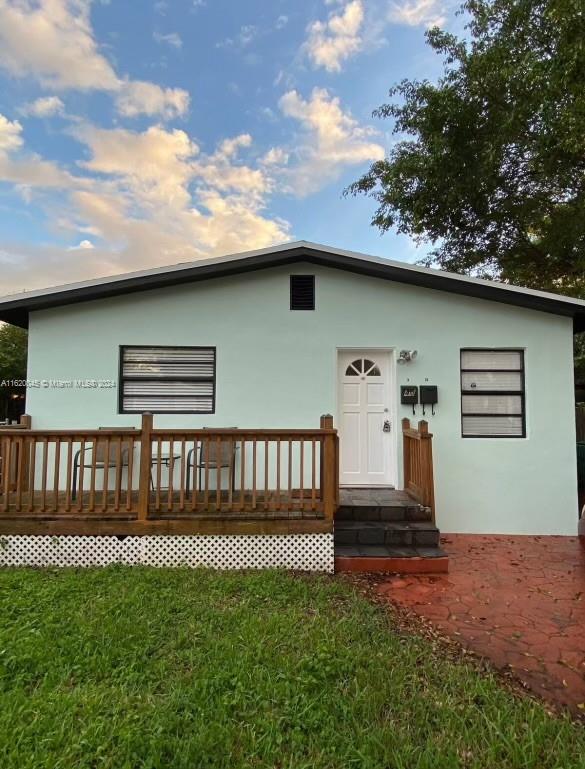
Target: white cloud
281	22
139	97
230	147
331	139
154	197
32	171
232	224
44	106
10	135
266	113
247	33
151	197
171	38
414	13
25	170
276	156
53	41
357	26
153	166
219	173
330	43
83	245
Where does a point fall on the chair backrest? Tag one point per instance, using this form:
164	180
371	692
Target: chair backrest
101	446
215	453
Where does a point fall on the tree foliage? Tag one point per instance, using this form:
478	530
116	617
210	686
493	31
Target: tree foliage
13	349
13	356
489	164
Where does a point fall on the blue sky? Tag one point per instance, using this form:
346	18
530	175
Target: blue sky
135	134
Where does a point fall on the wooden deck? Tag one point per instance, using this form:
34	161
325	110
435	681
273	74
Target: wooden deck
183	526
125	481
121	481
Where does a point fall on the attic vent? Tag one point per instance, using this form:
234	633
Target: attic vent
302	292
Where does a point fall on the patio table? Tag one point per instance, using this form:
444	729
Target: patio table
165	459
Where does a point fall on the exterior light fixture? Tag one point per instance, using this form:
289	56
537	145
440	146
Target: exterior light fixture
407	356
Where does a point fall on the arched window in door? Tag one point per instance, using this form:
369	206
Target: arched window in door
362	366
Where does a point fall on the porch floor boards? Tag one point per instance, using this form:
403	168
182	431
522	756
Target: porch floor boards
260	515
97	506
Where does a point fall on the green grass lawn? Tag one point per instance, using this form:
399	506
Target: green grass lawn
130	668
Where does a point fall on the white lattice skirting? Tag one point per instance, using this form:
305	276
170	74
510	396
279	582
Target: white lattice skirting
304	552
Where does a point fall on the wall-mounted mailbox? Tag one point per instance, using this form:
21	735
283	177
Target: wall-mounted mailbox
429	396
409	396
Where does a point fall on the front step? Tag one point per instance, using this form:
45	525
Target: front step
401	534
391	560
403	511
386	531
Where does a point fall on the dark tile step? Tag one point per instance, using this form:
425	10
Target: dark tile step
381	551
393	525
397	534
372	512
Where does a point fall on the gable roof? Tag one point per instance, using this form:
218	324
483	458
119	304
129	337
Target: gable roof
15	308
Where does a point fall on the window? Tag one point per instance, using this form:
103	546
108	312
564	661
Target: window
492	394
362	366
167	380
302	292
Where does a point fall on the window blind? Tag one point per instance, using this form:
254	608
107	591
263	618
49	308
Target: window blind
167	380
492	394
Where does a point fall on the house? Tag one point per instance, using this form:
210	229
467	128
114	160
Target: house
451	399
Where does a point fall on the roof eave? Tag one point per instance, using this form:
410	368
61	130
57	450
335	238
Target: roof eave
17	310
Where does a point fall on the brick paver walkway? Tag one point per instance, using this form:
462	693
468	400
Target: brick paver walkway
520	601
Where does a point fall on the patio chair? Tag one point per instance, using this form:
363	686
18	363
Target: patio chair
209	455
101	462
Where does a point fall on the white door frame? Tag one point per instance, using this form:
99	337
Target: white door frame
392	403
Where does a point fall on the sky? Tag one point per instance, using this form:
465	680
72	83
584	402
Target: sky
138	133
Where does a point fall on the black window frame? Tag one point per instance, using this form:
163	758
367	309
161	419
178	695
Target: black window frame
521	392
122	378
291	288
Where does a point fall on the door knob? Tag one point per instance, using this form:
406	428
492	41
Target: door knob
387	426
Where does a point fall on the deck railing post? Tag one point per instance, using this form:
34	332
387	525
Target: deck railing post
336	438
329	477
426	462
145	467
326	422
25	422
406	453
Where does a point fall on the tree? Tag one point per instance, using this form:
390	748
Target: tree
13	354
489	165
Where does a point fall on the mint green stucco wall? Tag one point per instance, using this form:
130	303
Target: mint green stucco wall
277	368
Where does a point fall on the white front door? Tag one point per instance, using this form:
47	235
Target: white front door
365	423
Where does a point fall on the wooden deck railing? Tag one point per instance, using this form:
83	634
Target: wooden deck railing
418	463
152	473
23	424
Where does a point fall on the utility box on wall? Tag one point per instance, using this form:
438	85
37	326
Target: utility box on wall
429	396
